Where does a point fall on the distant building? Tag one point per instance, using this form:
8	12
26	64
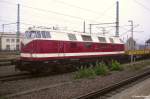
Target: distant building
140	47
147	44
130	44
9	42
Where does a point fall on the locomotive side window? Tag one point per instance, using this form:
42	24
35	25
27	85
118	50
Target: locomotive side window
102	39
72	37
38	34
86	38
45	34
111	40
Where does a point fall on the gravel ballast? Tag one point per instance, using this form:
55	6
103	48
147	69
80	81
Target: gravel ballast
62	86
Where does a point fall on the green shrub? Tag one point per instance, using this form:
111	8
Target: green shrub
85	72
90	72
115	65
101	69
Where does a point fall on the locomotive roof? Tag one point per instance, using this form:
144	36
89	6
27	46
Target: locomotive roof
69	32
78	36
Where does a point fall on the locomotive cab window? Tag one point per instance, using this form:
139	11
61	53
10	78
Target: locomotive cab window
27	34
102	39
33	34
72	37
30	34
86	38
37	34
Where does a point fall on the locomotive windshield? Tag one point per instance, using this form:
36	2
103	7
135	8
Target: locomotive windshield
37	34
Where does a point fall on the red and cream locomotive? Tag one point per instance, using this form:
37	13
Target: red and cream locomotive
53	46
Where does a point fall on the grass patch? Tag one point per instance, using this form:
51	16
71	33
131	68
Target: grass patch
101	69
92	71
116	66
139	65
85	72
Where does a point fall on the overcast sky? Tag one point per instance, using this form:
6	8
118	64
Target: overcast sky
70	15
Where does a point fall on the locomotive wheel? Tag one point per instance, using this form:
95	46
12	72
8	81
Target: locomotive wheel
47	69
42	68
34	71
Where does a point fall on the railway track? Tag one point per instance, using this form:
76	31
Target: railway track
6	62
21	76
14	77
104	92
95	94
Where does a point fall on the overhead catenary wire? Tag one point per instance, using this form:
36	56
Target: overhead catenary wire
23	24
129	30
142	5
63	28
39	14
7	2
45	10
5	20
71	5
30	21
85	9
106	10
50	11
47	17
29	24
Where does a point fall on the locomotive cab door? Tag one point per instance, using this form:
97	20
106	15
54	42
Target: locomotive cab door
61	49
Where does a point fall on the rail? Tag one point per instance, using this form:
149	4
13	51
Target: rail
115	86
14	77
